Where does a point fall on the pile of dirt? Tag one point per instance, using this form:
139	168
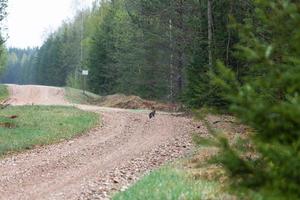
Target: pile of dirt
135	102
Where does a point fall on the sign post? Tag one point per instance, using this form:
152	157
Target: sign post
85	73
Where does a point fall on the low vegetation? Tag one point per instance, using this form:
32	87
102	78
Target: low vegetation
171	183
3	92
79	97
27	126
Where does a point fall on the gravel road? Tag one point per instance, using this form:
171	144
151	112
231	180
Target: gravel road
111	156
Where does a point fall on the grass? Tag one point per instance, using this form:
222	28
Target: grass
40	125
77	96
172	183
3	92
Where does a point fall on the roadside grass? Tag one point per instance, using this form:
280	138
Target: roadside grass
3	92
40	125
175	182
77	96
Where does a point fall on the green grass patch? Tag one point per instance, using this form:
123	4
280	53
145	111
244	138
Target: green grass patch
169	183
40	125
3	92
78	97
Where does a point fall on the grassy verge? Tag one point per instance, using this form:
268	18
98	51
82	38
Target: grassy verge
3	92
40	125
77	96
173	183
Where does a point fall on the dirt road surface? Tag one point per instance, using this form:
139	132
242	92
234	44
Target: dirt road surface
113	155
33	94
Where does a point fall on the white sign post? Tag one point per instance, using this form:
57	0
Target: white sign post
84	74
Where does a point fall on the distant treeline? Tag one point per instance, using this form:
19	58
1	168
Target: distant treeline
20	66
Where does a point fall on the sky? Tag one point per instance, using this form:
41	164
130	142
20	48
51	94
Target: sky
29	21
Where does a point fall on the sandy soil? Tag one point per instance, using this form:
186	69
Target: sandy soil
33	94
109	158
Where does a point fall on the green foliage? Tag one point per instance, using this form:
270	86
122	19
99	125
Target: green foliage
3	14
64	53
3	92
200	90
168	183
20	67
154	49
132	47
101	63
3	59
50	64
268	101
39	125
124	55
78	97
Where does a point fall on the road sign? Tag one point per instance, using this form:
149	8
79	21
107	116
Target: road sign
85	72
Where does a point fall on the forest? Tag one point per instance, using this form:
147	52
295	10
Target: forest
154	49
238	56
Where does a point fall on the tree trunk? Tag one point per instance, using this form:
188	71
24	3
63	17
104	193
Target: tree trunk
229	36
180	44
210	36
171	62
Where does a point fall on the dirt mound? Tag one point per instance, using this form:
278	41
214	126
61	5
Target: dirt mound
135	102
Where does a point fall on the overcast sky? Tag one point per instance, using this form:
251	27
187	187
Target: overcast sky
28	21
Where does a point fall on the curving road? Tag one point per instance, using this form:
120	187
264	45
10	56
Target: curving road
110	157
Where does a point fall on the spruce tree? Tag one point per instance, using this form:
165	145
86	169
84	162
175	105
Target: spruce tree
268	101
